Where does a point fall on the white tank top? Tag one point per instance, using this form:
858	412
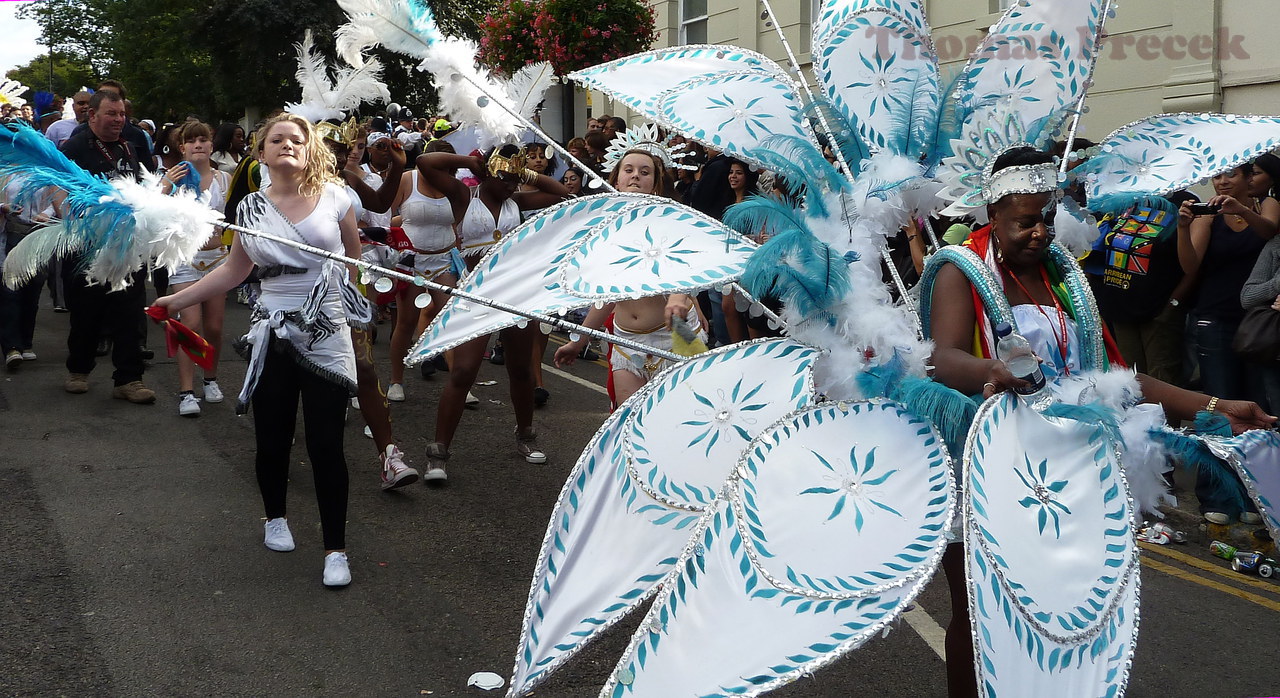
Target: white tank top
217	191
478	229
426	221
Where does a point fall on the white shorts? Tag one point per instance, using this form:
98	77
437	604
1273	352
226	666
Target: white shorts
647	366
204	262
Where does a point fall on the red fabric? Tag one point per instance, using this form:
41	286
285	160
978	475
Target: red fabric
608	359
178	335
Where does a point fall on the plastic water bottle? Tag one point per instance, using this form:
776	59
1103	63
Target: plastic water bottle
1014	350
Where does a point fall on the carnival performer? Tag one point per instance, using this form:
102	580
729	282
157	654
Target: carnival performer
427	217
206	318
647	320
488	211
298	345
370	206
1014	245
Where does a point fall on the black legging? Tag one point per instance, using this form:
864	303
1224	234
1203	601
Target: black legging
275	414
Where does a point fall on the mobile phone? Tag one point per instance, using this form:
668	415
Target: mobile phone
1200	209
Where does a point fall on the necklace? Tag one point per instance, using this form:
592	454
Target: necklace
1060	340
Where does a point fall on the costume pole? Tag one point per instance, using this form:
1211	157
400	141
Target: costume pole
603	184
1079	110
557	322
826	130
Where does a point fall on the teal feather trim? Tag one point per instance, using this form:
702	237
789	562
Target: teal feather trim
802	271
914	129
948	125
1211	424
1192	454
798	162
765	214
1092	413
845	129
951	412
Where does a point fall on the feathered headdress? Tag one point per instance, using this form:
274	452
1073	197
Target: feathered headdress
325	98
467	91
10	91
645	137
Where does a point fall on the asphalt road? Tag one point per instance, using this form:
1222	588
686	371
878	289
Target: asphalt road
134	563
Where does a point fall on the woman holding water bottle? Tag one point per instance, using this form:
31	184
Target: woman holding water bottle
968	348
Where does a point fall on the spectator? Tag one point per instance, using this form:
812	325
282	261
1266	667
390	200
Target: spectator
1223	248
577	147
597	144
228	147
613	125
572	180
1141	289
60	131
1262	289
132	134
594	126
101	150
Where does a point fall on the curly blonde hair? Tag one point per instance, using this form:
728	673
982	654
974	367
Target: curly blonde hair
321	166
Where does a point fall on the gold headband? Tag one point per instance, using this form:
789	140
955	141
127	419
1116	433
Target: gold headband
514	165
342	134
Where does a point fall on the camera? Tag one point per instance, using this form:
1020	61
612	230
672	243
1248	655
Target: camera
1199	209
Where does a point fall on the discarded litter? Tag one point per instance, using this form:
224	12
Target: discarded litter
487	383
1161	534
486	680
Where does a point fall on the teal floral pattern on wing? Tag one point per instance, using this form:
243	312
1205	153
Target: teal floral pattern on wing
1042	496
858	489
728	413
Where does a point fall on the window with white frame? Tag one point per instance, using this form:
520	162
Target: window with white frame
693	21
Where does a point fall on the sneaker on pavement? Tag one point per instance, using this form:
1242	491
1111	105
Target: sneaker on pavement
189	405
77	383
394	472
1217	517
135	392
368	432
540	396
28	355
1250	518
60	309
427	369
437	459
395	392
13	359
472	400
278	537
499	355
103	348
527	446
212	392
336	571
146	353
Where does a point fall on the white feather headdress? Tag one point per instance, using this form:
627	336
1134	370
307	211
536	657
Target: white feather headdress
10	91
646	137
326	98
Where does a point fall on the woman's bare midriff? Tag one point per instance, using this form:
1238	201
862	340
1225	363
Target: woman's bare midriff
642	315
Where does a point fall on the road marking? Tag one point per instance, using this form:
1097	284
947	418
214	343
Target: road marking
1234	576
574	379
1204	581
928	630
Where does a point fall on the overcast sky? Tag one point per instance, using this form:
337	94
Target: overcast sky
21	38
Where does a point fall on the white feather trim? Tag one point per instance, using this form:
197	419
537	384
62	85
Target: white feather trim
10	91
528	86
402	26
168	229
459	81
323	98
1074	228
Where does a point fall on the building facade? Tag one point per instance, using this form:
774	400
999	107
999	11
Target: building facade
1159	56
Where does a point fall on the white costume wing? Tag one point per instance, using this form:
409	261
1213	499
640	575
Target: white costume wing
1051	558
535	267
639	489
1165	153
1256	457
834	520
724	97
875	62
1040	55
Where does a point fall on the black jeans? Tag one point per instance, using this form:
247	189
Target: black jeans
96	311
18	306
275	415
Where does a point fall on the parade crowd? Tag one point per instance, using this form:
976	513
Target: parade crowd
1174	284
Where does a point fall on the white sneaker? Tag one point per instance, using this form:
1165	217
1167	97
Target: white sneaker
278	537
527	446
212	393
437	460
189	405
395	393
472	400
355	402
336	571
368	433
28	355
394	471
1250	518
